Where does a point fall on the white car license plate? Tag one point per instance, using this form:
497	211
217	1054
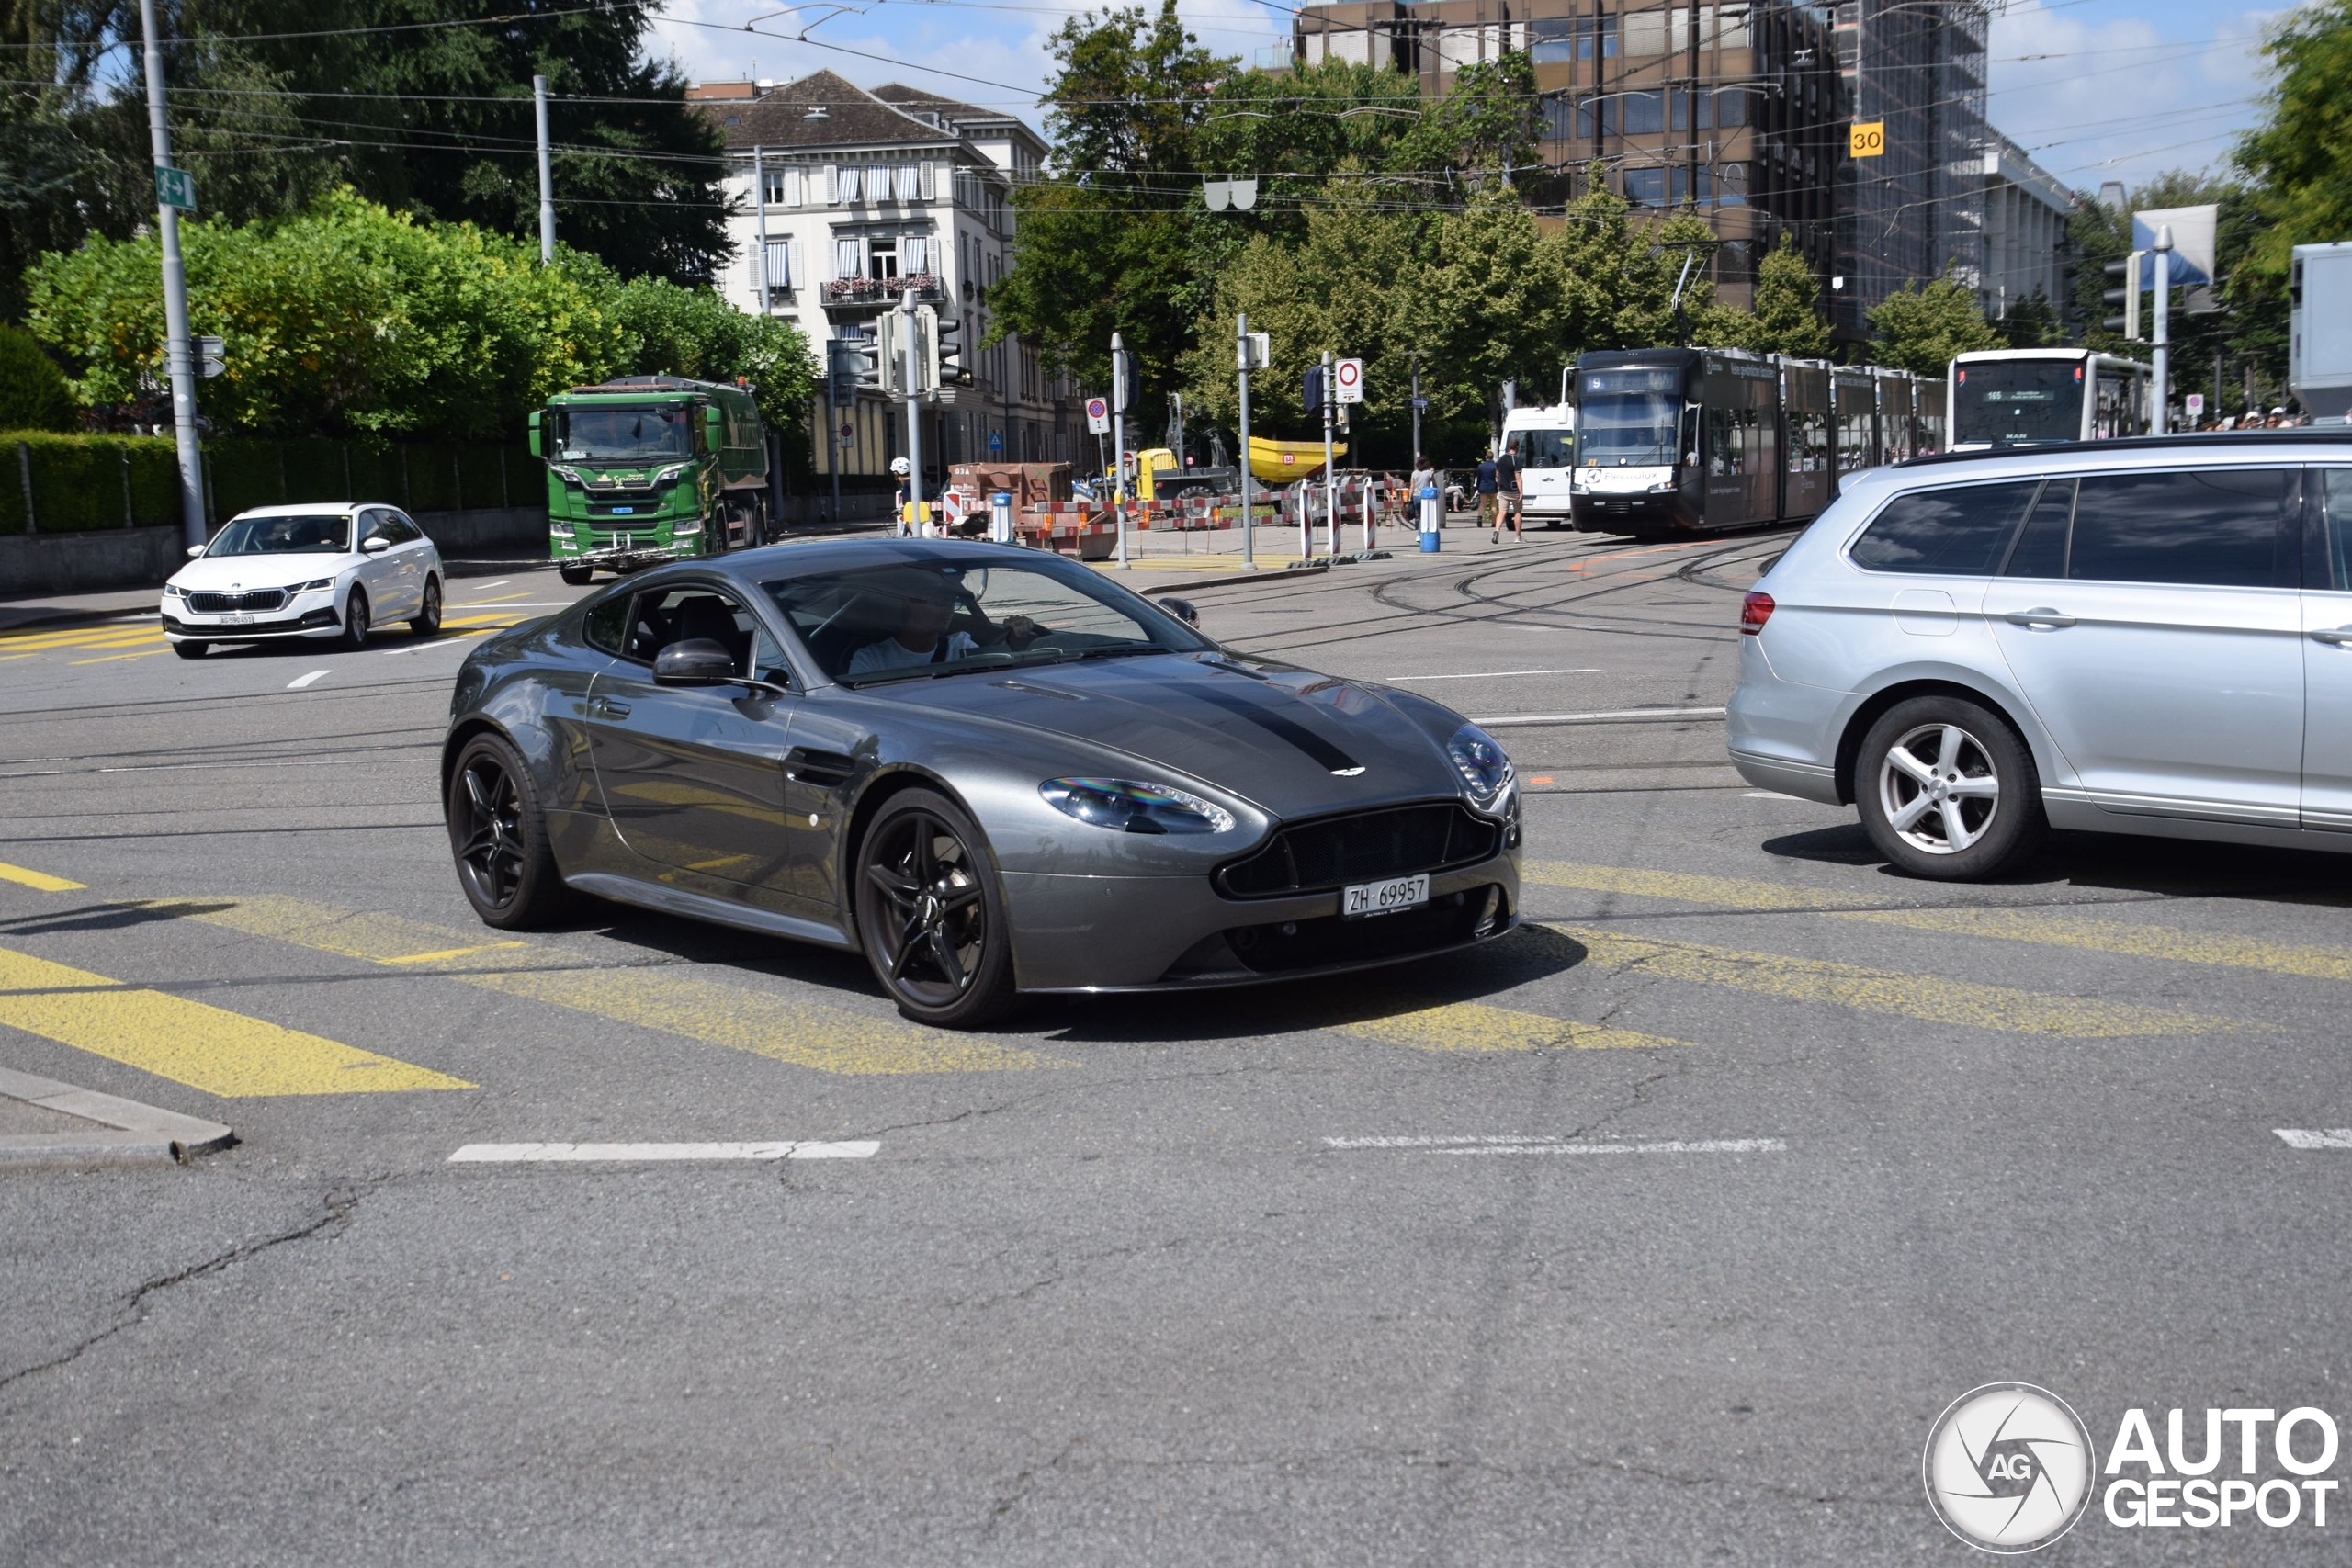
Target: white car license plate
236	620
1383	897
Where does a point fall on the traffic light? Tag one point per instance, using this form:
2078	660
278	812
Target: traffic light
2125	276
1312	397
854	363
1254	350
891	333
945	367
1123	380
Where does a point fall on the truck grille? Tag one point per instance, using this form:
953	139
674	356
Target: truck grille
222	603
1309	857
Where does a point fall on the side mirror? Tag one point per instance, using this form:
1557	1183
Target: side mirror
697	661
535	452
375	543
194	551
1183	609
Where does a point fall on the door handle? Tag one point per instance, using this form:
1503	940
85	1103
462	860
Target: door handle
2339	636
605	708
2040	616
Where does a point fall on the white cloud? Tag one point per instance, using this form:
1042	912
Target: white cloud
2119	99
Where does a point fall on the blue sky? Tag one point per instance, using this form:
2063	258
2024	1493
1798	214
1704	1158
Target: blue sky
2094	89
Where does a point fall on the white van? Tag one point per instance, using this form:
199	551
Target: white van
1547	458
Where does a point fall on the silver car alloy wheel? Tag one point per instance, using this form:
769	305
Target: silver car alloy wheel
1939	788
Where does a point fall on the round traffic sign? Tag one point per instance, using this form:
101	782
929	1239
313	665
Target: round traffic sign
1350	373
1096	408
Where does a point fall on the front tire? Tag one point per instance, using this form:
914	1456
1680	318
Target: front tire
578	576
427	619
356	625
931	915
498	835
189	650
1948	791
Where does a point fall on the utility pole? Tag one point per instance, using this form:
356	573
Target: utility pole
547	173
2163	367
178	354
1241	356
760	205
1120	391
1417	458
1331	475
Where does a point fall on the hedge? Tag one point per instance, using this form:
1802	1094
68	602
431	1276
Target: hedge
81	483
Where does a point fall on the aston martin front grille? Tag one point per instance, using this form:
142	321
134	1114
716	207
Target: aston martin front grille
1312	857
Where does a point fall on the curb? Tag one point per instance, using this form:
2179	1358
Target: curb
127	1131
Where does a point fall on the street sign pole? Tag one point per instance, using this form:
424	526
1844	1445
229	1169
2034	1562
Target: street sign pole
1330	476
1241	364
547	173
176	355
2162	369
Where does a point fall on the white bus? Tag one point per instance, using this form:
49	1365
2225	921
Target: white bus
1547	459
2018	395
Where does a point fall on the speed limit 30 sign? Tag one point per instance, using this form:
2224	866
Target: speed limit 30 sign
1347	380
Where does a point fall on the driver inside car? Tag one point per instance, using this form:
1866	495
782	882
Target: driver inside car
927	604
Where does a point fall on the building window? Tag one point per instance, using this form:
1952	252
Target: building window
914	251
1694	107
840	185
1731	185
878	183
774	186
928	186
907	179
1646	187
1644	113
881	259
778	273
847	260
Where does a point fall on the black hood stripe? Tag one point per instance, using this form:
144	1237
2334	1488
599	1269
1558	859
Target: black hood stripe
1325	754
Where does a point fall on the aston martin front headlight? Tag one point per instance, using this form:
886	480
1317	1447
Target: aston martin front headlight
1485	771
1126	805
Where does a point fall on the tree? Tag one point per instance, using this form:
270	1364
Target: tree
33	394
1787	318
1920	327
2031	323
2300	157
693	332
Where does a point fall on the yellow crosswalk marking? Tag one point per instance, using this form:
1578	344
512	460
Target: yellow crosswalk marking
39	880
1923	997
785	1029
1480	1027
115	658
2128	938
209	1048
1727	892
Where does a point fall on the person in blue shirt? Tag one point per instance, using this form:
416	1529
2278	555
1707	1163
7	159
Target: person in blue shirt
1489	483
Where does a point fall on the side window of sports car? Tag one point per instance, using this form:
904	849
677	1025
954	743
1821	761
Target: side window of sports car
604	621
687	613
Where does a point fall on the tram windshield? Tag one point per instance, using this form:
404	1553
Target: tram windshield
2018	400
1628	418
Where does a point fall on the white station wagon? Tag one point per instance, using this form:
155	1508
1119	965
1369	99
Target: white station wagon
320	570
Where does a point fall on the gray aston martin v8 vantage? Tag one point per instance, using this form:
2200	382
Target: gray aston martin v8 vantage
991	769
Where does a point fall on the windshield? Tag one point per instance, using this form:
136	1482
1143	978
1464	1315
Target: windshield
327	535
1628	418
1544	448
2018	400
624	434
914	621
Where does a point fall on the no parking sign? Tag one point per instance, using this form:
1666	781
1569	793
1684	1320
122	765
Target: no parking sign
1098	416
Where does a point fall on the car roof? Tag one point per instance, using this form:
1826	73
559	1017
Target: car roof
309	509
2310	445
814	558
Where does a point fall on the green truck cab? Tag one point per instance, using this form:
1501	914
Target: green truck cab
649	469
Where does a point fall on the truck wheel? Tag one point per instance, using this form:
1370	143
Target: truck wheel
578	576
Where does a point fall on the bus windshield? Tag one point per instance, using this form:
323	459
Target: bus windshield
1628	418
625	435
1543	449
2018	400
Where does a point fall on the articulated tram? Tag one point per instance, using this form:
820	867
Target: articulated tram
1674	440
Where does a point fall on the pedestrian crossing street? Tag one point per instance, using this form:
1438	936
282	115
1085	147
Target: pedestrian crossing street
1583	966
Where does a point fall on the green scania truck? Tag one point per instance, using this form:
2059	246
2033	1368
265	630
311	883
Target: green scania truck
649	469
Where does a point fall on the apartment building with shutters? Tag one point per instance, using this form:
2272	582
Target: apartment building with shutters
849	199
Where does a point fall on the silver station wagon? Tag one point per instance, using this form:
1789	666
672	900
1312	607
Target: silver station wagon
2149	635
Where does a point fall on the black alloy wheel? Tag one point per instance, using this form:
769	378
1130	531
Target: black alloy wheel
930	915
427	619
498	836
355	620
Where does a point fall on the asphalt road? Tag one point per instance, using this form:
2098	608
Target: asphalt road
1657	1234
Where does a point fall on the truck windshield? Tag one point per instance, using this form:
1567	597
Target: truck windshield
1627	418
2018	400
626	434
1544	448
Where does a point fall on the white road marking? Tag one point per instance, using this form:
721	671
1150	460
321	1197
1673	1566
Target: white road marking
300	681
535	1154
446	639
1614	716
1768	794
517	605
2309	1138
1508	1144
1490	675
485	587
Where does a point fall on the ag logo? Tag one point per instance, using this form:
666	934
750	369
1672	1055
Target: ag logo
2008	1467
